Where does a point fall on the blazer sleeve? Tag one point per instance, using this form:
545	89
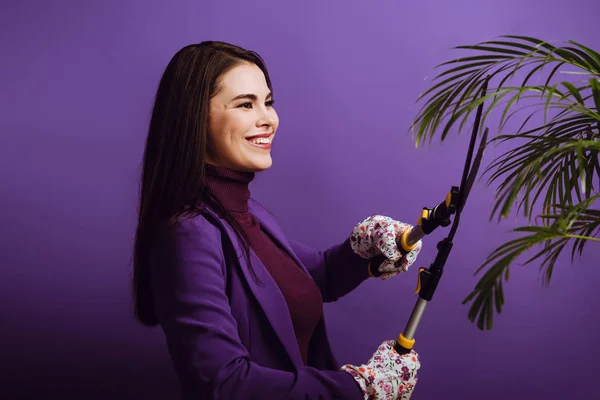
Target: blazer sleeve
193	310
337	270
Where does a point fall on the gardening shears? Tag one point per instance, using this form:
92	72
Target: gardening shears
431	219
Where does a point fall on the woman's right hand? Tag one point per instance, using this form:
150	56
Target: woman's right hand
387	375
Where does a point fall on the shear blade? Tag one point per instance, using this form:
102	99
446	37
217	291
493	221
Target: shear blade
474	168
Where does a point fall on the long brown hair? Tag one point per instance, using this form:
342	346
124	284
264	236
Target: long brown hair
173	181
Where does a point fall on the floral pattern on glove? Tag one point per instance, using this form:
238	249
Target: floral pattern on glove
387	375
377	235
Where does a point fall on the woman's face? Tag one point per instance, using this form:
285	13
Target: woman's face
242	121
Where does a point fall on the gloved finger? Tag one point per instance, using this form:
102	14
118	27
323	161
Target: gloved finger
414	363
400	265
389	269
406	363
387	244
391	388
401	227
387	275
409	258
388	266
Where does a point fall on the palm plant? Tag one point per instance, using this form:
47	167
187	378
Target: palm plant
550	170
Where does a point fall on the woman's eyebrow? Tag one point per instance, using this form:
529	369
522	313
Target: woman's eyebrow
250	96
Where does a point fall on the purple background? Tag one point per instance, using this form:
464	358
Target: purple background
78	80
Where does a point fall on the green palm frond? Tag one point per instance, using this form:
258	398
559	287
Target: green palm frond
553	165
562	167
456	96
575	223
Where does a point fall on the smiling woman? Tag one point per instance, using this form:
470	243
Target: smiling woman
242	121
240	304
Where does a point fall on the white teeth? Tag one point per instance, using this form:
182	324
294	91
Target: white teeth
260	140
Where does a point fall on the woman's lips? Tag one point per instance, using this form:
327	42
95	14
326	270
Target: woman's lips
262	141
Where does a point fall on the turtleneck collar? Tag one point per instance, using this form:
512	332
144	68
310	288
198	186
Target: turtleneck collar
229	187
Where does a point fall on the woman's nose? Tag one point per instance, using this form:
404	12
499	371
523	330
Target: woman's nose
265	117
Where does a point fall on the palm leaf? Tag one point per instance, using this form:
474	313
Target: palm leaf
469	73
578	223
553	165
546	164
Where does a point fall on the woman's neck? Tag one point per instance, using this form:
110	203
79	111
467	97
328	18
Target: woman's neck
231	188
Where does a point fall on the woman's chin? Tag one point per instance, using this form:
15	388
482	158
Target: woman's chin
265	165
260	163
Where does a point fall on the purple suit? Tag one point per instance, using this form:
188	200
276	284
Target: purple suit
231	338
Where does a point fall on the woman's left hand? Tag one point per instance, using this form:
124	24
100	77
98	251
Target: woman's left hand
377	235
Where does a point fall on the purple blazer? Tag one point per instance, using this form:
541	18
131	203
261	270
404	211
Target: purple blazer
231	338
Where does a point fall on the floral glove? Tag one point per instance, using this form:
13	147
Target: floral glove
378	235
387	375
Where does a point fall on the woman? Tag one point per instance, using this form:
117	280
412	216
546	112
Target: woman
241	306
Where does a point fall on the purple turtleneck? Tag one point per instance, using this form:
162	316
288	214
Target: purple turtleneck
301	293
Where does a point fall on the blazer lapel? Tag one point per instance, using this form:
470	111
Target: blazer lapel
267	294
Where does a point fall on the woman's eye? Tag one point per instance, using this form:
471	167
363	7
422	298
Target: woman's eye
248	104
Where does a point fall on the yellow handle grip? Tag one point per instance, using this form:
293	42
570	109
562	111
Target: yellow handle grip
404	342
404	241
418	289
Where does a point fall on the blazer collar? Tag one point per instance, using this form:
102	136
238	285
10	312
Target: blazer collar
266	291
